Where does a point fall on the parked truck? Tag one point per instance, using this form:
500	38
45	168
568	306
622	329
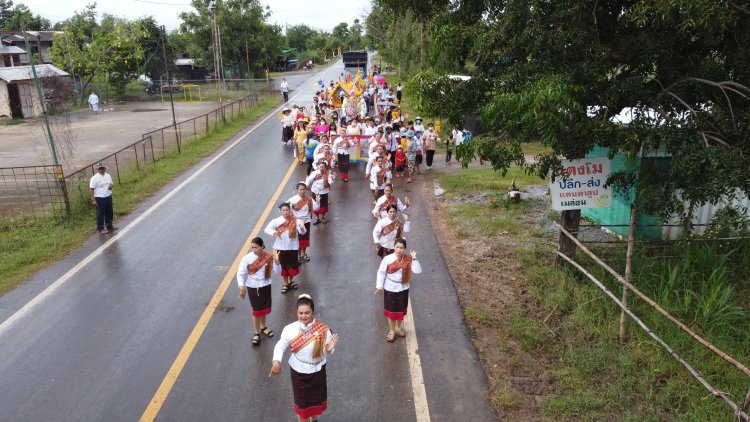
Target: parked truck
354	60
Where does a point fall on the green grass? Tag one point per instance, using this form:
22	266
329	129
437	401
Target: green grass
571	326
11	122
486	179
534	148
28	245
479	315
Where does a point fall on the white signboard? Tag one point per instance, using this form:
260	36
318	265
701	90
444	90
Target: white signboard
584	186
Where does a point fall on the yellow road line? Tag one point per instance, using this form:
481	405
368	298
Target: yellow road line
165	388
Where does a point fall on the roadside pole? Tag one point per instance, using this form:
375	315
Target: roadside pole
171	86
39	93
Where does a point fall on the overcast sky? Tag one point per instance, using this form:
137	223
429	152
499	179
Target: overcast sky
325	15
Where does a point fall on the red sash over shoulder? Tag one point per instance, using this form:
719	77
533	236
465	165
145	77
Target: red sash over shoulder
317	333
381	175
394	226
324	176
403	264
305	200
391	200
288	225
266	259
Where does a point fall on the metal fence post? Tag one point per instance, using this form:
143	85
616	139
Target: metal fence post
137	164
117	167
61	182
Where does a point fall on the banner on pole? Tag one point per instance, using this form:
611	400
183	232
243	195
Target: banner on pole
584	185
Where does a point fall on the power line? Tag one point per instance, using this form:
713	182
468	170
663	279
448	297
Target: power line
163	3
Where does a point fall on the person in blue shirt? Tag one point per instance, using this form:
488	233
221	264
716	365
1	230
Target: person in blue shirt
309	146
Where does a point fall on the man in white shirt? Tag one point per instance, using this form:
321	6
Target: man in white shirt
100	189
94	102
284	88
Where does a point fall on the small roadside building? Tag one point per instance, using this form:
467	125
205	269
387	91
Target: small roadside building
39	43
18	96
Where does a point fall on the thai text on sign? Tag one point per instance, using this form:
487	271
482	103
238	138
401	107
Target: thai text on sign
584	185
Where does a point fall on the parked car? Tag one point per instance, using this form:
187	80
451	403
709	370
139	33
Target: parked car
166	88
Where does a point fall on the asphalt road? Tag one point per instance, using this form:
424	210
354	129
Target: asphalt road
98	348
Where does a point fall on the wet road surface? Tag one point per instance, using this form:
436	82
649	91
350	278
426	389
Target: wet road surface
98	348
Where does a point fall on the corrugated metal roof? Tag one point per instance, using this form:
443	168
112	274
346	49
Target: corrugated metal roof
23	73
11	49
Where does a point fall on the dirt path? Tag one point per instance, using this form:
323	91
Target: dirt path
490	281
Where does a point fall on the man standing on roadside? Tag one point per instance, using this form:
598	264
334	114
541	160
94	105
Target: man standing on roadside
94	102
100	188
284	87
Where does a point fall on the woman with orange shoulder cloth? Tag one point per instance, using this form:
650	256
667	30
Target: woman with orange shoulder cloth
393	281
254	281
310	342
303	205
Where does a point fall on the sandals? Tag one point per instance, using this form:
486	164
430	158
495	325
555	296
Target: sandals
293	286
306	258
266	332
389	338
256	339
323	220
284	289
400	333
316	222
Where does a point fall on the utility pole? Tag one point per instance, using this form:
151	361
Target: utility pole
215	36
247	57
171	85
39	93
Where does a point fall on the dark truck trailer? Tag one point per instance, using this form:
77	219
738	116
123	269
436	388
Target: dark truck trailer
355	59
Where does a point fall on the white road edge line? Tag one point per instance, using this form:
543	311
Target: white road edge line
65	277
415	368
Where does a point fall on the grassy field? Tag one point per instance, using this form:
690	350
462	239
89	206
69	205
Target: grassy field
27	246
554	325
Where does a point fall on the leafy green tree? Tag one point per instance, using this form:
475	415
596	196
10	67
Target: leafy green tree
560	72
10	18
241	23
6	11
298	35
87	49
341	31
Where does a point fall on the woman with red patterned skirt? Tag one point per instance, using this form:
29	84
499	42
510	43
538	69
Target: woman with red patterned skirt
286	229
303	205
341	146
319	182
254	280
311	342
394	280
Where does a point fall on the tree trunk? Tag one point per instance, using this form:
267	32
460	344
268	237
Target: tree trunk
570	220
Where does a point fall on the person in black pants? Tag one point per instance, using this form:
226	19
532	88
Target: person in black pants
449	150
100	189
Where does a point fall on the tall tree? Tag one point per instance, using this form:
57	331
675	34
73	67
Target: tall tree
560	72
10	18
238	21
109	50
298	35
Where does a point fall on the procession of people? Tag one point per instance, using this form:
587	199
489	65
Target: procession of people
325	135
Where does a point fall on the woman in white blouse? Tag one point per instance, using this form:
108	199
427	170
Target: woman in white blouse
254	281
310	342
394	280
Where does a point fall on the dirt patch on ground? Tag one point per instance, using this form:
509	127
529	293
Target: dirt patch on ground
490	283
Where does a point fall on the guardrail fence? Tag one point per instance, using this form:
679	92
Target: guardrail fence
38	191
